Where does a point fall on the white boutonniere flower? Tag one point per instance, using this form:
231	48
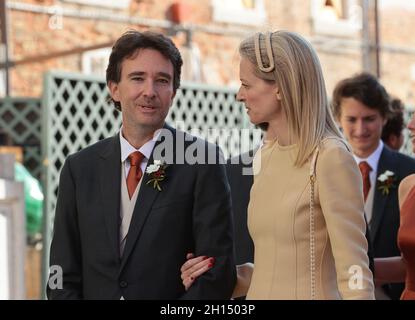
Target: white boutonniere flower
157	173
386	181
154	167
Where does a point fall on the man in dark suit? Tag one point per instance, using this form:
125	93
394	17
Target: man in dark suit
241	183
361	105
124	218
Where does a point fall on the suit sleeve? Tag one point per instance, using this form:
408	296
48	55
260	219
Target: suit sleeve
212	231
65	251
341	199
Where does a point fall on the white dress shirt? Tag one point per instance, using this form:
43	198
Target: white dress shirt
146	149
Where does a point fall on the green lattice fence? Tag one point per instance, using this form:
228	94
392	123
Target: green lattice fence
20	119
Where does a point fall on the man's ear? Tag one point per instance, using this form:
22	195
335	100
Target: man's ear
114	92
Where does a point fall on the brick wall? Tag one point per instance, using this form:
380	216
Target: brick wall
397	28
31	35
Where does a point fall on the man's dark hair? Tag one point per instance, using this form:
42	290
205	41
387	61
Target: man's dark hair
366	89
131	41
395	123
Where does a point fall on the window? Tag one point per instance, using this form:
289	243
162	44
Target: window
336	17
119	4
247	12
96	61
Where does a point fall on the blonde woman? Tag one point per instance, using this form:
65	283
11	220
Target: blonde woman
305	214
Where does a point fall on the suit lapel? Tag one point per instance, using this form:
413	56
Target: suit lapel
379	199
110	181
146	197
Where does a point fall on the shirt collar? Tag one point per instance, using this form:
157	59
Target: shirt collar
373	159
146	149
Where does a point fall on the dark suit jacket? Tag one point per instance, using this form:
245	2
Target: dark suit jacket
385	214
192	213
240	191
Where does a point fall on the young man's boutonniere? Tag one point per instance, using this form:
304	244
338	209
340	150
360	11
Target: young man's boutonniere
157	173
386	182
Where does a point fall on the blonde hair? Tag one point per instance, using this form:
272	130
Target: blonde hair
289	60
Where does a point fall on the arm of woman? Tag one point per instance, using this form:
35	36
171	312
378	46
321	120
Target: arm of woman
389	270
340	191
195	267
243	280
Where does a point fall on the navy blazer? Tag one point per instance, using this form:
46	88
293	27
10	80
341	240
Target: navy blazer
240	189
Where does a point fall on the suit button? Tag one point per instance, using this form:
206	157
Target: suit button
123	284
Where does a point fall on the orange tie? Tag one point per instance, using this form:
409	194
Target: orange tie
135	173
365	170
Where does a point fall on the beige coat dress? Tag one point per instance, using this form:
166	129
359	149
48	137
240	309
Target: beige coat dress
279	223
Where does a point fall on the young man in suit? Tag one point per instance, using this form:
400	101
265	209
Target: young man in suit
125	220
361	105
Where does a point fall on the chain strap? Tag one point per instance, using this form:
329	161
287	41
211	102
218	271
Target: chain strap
312	228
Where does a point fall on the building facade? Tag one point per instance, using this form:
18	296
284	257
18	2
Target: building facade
76	36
